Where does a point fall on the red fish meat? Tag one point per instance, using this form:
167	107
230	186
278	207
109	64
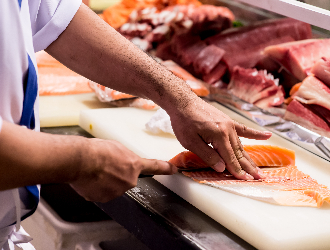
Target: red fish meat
256	87
299	57
313	91
321	70
313	117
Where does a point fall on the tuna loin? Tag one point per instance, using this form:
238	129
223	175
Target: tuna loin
313	91
243	46
313	117
207	59
299	57
321	70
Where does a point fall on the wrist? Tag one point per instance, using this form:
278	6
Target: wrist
179	102
86	163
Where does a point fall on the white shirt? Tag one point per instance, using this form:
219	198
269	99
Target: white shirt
27	30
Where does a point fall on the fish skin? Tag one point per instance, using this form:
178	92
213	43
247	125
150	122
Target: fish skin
286	186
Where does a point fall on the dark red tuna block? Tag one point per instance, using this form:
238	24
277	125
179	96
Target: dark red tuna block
312	117
256	87
187	47
216	74
244	46
207	59
299	57
321	70
164	51
249	58
245	38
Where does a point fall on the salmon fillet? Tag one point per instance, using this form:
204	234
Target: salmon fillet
270	156
262	155
56	79
283	184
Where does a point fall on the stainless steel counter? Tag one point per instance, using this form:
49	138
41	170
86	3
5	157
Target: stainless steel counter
160	218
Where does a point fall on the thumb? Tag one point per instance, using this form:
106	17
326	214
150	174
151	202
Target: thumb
157	167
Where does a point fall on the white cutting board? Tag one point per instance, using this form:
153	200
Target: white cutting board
64	110
263	225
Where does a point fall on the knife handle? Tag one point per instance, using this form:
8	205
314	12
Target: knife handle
145	175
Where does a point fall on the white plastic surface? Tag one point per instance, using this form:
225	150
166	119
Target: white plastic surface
295	9
263	225
64	110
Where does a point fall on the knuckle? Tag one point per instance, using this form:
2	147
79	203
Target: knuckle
155	163
241	148
223	132
232	125
244	128
238	170
233	160
135	164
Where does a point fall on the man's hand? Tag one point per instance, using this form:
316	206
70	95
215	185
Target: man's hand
199	125
110	169
99	170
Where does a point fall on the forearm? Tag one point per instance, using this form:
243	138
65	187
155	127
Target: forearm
28	157
94	49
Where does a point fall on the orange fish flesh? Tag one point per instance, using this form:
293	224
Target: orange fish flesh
283	184
270	156
262	155
56	79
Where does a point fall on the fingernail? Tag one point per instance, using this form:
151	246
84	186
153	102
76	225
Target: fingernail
268	133
261	173
249	177
219	167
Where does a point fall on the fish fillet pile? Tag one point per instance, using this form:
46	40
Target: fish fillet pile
118	14
284	183
56	79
